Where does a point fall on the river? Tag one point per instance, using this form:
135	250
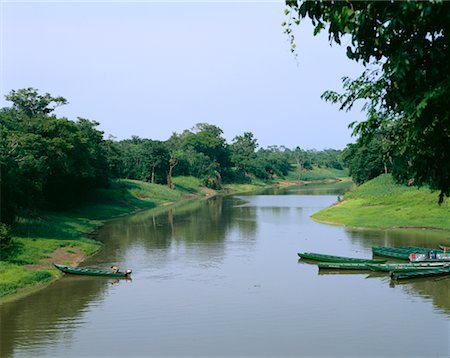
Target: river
221	277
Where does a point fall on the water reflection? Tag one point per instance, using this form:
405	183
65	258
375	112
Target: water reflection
221	277
202	223
48	315
435	289
397	237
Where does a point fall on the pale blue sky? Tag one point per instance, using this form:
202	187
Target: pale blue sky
153	68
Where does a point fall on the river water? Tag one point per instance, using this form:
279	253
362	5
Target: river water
221	277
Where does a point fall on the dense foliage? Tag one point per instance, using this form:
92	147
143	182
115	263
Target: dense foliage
49	162
45	160
405	49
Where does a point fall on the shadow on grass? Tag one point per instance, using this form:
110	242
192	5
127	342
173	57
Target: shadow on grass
186	189
10	253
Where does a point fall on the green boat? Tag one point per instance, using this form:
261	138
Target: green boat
331	258
405	267
421	273
342	266
93	271
401	253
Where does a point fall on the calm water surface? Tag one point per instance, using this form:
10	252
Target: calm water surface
222	278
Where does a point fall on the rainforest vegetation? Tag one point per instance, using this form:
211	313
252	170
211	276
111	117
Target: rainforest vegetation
53	163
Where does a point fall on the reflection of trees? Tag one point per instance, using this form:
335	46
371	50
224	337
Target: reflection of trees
397	237
47	315
204	222
311	189
437	289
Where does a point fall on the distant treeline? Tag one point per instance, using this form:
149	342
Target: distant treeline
51	162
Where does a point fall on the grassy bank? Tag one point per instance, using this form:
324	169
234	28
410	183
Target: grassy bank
64	236
380	203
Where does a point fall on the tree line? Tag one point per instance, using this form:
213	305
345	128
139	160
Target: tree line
52	162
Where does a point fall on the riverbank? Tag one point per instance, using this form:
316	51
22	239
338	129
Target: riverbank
381	203
66	236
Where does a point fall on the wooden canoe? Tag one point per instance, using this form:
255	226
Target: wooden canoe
331	258
406	266
421	273
93	271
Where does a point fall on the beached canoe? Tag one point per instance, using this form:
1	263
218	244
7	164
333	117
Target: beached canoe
406	266
331	258
421	273
342	266
93	271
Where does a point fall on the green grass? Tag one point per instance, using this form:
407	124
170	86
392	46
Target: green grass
14	277
381	203
125	196
318	174
37	236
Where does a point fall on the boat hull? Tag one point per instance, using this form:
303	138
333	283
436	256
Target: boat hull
330	258
342	266
405	267
86	271
421	273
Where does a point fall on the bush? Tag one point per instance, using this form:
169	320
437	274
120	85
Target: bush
5	240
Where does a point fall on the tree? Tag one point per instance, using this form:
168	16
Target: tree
143	159
28	101
46	160
207	139
404	46
243	152
203	153
364	160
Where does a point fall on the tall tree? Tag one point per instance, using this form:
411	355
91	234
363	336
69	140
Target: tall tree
243	151
46	160
29	101
405	48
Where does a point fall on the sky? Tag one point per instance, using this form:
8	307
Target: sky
151	68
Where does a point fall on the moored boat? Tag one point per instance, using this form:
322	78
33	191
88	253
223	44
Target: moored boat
331	258
88	271
391	252
342	266
406	266
432	256
421	273
401	253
